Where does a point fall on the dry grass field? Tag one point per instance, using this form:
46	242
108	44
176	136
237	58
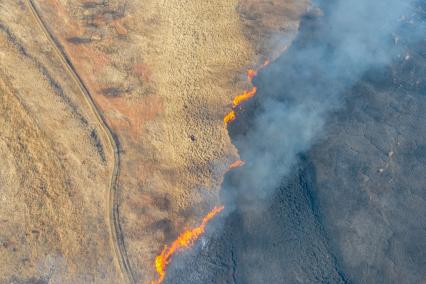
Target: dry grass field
112	139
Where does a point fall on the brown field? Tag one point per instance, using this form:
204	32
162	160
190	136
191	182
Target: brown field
112	138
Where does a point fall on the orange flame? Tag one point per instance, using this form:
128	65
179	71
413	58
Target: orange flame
237	164
185	240
246	95
243	97
229	117
266	63
251	74
189	237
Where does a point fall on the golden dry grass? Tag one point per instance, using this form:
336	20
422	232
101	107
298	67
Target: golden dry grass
163	73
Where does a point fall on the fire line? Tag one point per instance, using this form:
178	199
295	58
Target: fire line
246	95
237	164
229	117
184	241
190	236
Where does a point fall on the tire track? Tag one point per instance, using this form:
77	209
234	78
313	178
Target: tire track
116	235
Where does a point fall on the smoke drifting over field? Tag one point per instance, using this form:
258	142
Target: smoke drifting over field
273	233
297	92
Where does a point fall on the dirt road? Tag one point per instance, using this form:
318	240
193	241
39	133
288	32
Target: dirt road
157	78
112	214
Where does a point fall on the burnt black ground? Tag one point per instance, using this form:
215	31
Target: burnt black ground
278	240
353	209
370	184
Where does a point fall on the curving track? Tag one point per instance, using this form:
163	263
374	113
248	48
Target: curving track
116	234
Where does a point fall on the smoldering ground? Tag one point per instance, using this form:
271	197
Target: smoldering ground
298	91
273	231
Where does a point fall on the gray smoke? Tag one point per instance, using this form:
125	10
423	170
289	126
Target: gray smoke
298	91
270	235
